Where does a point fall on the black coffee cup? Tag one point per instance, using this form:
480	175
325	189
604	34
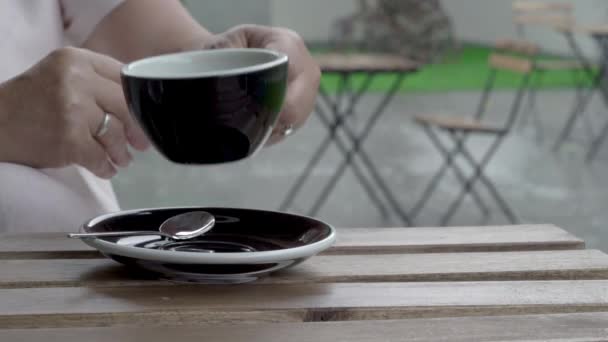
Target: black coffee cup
207	106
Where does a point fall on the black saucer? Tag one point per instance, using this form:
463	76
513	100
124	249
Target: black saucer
243	245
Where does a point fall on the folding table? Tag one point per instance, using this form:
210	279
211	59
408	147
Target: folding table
336	108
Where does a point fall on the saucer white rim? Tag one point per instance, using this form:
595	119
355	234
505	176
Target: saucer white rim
200	258
280	58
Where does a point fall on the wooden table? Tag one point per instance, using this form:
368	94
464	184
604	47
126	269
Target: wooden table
335	109
509	283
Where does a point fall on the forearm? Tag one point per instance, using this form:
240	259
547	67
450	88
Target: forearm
141	28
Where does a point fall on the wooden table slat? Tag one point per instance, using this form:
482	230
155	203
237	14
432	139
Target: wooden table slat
79	307
534	265
350	241
562	327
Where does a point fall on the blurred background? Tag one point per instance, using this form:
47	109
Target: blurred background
543	174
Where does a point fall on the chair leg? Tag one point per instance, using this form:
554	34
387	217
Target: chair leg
356	169
478	175
596	144
339	118
531	107
530	98
583	95
578	109
523	121
588	124
432	185
602	86
356	146
449	157
376	177
460	141
509	213
308	169
538	123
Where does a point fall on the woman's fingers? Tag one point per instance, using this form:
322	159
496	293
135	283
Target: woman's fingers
114	140
93	156
105	66
110	99
58	125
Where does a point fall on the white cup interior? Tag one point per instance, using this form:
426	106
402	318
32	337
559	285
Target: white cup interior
204	63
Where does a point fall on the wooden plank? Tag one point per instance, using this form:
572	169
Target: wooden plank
536	265
97	306
454	239
536	6
350	241
562	327
517	45
43	246
594	29
598	29
334	62
554	21
511	63
466	124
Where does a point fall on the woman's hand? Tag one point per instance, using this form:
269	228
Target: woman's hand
50	116
141	28
304	73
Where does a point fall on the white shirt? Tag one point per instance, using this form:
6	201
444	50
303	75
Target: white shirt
50	199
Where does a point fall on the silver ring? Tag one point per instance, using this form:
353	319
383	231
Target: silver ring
104	126
288	130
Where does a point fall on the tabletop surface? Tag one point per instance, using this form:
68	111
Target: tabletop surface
506	283
356	62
